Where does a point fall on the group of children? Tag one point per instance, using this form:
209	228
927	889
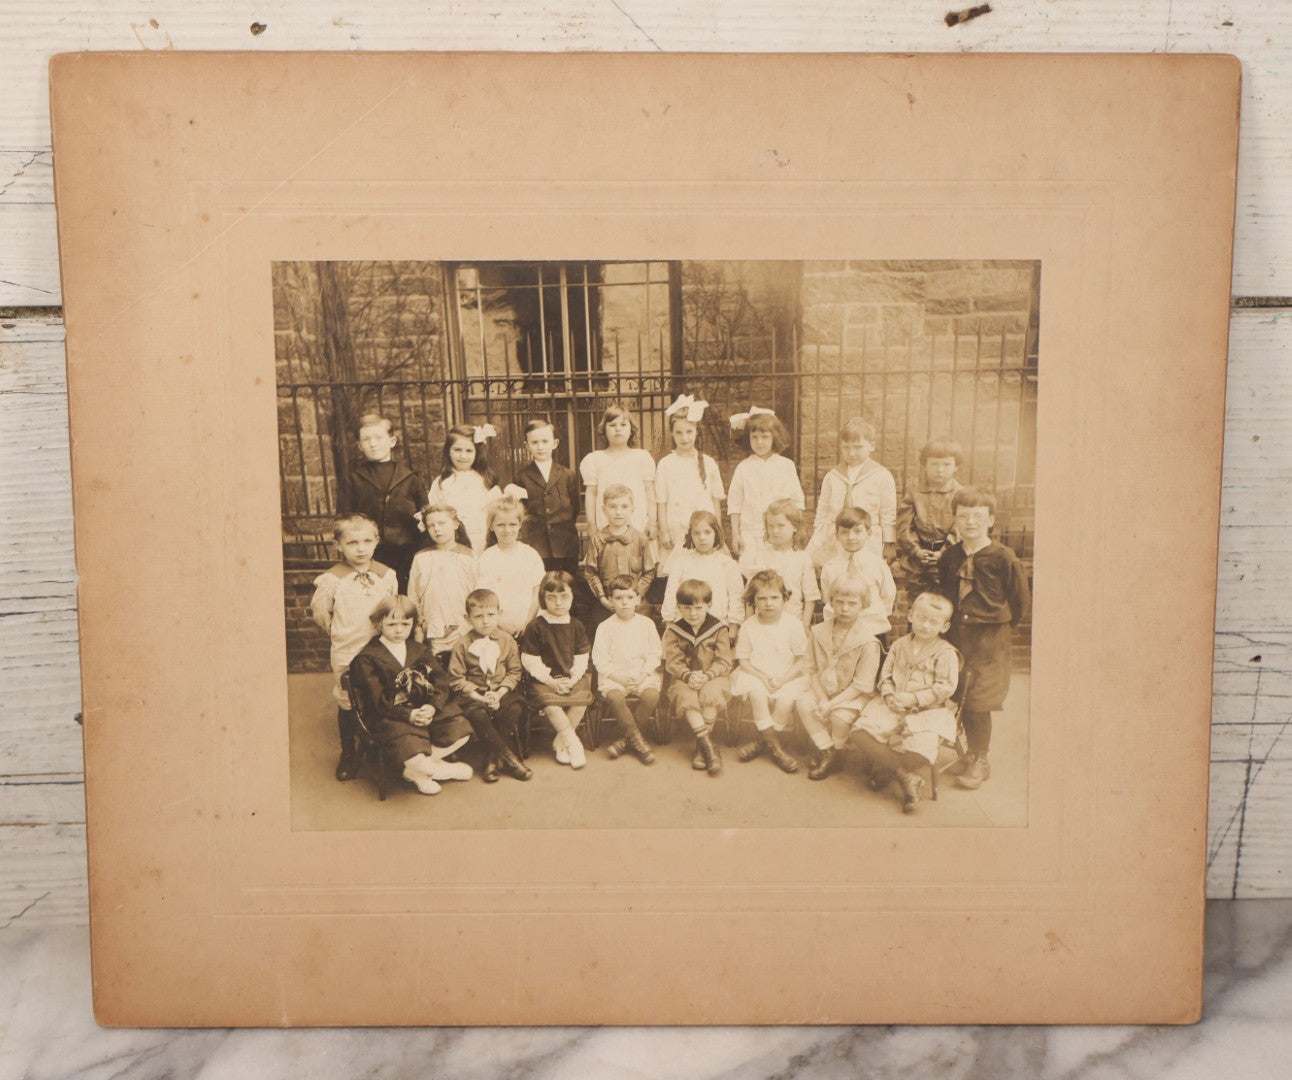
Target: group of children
453	614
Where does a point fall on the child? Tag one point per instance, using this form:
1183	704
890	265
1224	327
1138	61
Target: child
686	480
485	669
554	651
388	491
761	478
344	597
697	657
511	569
621	462
467	482
780	550
843	660
855	559
551	500
985	582
617	549
627	656
770	663
924	517
899	730
702	558
439	581
408	697
858	481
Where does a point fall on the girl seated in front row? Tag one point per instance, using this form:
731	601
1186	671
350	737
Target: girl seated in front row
421	720
770	666
554	651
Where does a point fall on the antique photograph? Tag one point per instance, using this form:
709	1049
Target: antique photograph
657	544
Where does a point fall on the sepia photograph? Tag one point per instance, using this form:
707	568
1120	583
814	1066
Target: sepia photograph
657	544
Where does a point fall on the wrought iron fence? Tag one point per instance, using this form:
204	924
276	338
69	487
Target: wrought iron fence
969	388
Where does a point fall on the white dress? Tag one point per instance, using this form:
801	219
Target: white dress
466	492
633	467
773	649
755	485
678	485
719	571
438	584
513	574
795	568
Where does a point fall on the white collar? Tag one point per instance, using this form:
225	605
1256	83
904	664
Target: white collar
399	652
553	619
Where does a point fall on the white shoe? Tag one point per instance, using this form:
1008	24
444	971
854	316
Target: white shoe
422	782
451	770
559	745
575	746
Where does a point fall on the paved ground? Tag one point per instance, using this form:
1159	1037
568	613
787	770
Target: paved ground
627	794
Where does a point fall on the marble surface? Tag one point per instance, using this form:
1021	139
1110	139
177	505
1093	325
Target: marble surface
47	1031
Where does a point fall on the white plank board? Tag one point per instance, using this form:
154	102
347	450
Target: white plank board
42	845
1260	33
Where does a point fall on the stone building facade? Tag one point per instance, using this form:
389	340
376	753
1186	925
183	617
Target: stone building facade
920	348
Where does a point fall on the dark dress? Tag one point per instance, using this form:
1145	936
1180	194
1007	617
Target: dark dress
390	493
991	595
387	710
557	644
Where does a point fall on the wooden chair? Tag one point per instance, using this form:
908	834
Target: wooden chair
373	748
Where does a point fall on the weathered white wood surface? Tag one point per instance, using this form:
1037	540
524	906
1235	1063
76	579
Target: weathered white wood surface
1260	33
42	834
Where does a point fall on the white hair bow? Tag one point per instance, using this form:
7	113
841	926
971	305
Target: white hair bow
739	420
687	405
515	491
485	431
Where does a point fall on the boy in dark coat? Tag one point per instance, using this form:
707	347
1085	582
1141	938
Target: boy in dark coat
985	582
407	698
388	491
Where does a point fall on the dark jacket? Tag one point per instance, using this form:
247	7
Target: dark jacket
373	675
391	507
551	511
709	650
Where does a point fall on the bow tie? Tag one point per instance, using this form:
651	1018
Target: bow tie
622	538
366	578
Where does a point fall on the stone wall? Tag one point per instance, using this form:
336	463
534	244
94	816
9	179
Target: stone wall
924	350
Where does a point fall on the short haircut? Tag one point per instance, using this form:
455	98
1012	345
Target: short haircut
505	505
617	491
763	422
852	516
942	448
974	496
791	512
404	606
620	583
537	424
855	429
351	519
481	598
939	601
614	412
764	579
705	517
695	591
371	419
853	584
554	581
